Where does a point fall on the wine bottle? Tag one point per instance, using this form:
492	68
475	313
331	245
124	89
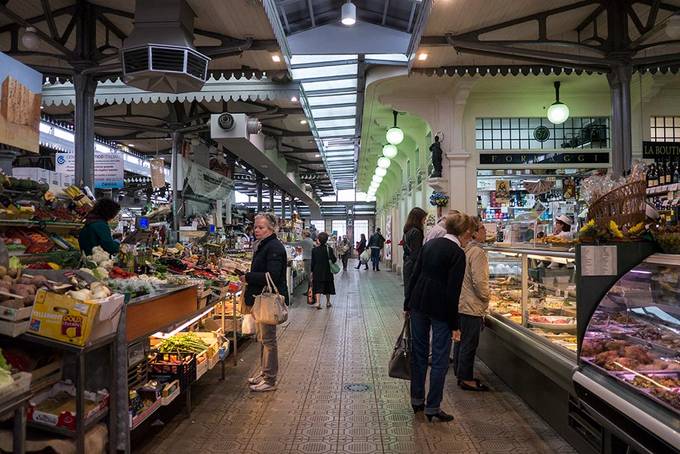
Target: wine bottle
676	173
661	172
651	176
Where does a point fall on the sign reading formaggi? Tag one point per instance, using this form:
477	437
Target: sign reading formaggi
653	150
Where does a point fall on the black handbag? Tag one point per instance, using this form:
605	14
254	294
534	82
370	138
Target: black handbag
400	362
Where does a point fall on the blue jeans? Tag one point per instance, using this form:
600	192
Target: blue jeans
441	349
375	258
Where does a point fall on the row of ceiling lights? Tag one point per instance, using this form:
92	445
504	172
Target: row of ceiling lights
394	137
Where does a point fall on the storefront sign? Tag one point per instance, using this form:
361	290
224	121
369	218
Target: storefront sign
543	158
109	170
598	261
653	150
20	88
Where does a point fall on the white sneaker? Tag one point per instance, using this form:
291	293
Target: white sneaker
256	380
262	387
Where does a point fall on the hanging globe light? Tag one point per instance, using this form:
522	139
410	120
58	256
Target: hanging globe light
390	151
377	179
381	172
384	162
558	112
394	135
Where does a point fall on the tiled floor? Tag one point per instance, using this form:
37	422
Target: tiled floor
314	411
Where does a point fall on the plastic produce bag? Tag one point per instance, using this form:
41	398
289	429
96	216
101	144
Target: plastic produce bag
365	256
248	325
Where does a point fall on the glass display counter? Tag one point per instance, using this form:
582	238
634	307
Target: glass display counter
535	289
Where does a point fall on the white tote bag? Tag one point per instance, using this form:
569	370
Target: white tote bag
248	325
270	306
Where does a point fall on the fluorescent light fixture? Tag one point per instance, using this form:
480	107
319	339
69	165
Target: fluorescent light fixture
349	14
303	122
380	171
276	58
384	162
422	56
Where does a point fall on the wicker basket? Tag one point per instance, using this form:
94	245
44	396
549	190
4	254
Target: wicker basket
624	205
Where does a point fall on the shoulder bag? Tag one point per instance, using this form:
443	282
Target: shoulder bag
400	362
335	267
270	306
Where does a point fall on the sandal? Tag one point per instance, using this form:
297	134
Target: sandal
479	387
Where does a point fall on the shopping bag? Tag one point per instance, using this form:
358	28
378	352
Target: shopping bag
335	266
270	306
365	256
400	362
248	325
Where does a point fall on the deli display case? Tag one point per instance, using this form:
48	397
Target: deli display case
530	334
629	361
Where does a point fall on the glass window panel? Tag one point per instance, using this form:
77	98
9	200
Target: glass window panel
488	145
496	134
514	134
478	123
515	144
505	134
330	100
652	121
304	59
478	134
334	112
524	144
534	122
523	133
335	123
330	85
505	123
668	121
668	133
514	123
487	123
336	132
676	134
506	144
487	134
496	123
324	71
479	144
534	144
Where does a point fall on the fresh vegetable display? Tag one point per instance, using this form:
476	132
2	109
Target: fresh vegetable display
183	343
5	372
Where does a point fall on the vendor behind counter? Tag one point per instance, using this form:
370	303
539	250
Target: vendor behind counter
97	231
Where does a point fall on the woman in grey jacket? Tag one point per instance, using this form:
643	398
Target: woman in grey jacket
474	302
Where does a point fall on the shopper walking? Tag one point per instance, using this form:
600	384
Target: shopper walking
432	304
361	247
413	241
97	231
269	257
307	245
322	278
344	251
375	244
474	301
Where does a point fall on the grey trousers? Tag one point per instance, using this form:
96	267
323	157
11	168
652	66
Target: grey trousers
269	355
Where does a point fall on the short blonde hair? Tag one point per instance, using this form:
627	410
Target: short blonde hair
475	224
271	219
457	224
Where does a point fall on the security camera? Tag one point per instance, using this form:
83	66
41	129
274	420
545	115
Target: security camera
226	121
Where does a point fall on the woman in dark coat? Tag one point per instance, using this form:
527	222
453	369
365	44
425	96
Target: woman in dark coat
431	303
322	278
361	247
269	257
413	241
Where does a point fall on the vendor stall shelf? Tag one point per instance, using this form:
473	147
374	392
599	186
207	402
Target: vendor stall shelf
17	405
629	376
81	424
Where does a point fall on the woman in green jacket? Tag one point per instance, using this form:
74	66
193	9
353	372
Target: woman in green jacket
96	231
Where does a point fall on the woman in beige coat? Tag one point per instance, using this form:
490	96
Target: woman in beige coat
474	301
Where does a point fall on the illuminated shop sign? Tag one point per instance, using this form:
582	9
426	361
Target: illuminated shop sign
653	150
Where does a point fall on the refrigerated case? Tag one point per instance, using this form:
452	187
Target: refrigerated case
629	374
530	340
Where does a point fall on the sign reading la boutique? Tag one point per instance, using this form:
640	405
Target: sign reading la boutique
108	168
655	150
543	158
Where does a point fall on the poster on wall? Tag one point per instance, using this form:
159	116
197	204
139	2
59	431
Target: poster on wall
388	238
20	97
502	191
109	170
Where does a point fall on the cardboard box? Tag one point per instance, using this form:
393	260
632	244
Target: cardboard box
69	320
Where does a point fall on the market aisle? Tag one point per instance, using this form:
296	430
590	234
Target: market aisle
334	394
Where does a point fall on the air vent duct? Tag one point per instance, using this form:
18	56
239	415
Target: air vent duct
159	54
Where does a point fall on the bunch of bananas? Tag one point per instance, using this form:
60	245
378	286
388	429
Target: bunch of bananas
79	197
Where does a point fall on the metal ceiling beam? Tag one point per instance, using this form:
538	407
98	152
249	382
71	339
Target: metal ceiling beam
385	8
311	12
111	26
42	17
49	18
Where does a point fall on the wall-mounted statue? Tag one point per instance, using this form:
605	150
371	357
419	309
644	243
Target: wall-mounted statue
436	150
